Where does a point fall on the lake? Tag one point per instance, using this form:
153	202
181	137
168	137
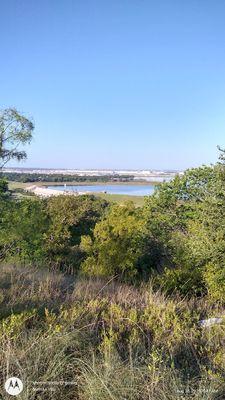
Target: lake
131	190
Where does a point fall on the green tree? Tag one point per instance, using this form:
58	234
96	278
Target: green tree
174	206
188	217
117	243
70	217
15	130
22	227
3	187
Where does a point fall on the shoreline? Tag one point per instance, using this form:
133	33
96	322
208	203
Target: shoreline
19	189
91	183
24	185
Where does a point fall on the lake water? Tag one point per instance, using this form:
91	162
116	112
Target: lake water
132	190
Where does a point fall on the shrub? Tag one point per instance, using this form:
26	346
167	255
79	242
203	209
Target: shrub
214	276
186	281
116	245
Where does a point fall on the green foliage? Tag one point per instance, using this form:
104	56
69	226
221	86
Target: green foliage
22	230
176	236
187	281
113	341
48	231
15	130
4	193
70	218
35	177
3	186
187	217
214	277
175	203
117	243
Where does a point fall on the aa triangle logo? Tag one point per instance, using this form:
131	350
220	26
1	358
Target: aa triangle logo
13	386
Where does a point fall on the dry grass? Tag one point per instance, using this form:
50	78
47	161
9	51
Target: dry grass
99	340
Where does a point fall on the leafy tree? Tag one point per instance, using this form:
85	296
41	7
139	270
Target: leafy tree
70	217
22	227
47	231
194	239
15	130
117	243
3	187
174	205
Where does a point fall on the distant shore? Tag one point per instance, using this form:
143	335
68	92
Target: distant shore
91	183
23	185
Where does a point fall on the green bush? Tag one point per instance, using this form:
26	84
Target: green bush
116	245
214	277
186	281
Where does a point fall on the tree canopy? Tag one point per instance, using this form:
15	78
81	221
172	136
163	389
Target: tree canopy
15	131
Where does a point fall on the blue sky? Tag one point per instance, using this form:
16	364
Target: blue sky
116	84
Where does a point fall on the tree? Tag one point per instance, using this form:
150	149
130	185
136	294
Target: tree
15	130
4	192
3	187
176	204
70	217
116	245
187	216
23	225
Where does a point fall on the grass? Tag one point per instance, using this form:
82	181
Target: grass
120	198
17	185
89	339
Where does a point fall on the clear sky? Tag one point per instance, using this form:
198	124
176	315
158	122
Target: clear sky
116	83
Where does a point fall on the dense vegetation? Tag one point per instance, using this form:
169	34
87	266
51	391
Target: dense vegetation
90	339
35	177
103	301
176	238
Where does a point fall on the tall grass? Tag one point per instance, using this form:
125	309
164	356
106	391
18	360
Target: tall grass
81	339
